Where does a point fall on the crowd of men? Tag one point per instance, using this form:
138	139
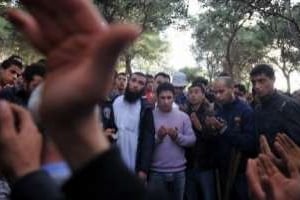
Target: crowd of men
196	144
73	128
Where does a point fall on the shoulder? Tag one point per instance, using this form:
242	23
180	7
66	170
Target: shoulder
288	104
180	114
8	92
244	106
145	104
118	99
155	112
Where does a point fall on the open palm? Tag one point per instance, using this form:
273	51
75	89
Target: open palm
81	50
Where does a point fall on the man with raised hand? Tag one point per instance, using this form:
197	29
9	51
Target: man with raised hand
81	50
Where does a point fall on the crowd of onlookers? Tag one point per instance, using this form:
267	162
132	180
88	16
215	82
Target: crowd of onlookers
73	128
224	118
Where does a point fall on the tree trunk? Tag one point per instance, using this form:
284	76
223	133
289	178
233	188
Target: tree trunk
285	70
288	81
128	60
229	65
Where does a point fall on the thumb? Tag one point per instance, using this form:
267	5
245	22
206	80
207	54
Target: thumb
6	119
293	170
110	46
116	38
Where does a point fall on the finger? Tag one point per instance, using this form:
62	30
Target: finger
7	126
264	145
266	186
289	141
293	170
29	27
281	151
70	12
284	144
267	165
50	27
24	117
254	180
261	170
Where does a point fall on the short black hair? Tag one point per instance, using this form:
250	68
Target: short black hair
165	87
149	76
163	74
15	57
12	61
121	74
200	80
35	69
265	69
139	74
198	84
241	88
42	61
227	80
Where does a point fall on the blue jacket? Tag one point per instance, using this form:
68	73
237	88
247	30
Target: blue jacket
181	100
240	132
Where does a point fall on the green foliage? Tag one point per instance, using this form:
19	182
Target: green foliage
259	30
149	50
150	47
226	41
153	16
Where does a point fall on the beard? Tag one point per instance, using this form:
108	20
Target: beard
132	97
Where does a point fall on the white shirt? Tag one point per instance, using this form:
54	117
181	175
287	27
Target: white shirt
127	120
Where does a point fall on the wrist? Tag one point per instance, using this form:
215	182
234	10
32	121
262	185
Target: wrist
81	141
22	171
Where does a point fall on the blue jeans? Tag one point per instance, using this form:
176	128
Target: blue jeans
173	183
200	184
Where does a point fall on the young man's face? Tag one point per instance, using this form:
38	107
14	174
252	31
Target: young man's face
36	80
165	101
262	85
238	93
137	83
121	82
150	84
195	95
222	92
10	75
178	90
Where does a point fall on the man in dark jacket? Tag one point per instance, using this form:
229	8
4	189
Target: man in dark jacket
135	127
237	140
10	71
200	180
276	113
19	94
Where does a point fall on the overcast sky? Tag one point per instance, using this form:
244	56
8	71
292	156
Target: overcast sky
180	43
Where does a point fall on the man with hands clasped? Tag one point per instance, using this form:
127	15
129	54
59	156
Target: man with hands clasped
236	141
173	133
